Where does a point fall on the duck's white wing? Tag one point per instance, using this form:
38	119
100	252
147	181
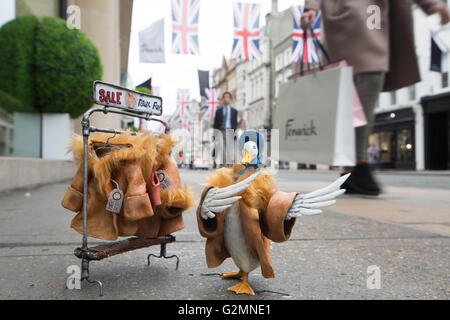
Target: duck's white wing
309	204
220	199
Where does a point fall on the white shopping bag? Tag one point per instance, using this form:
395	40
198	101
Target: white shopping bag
314	115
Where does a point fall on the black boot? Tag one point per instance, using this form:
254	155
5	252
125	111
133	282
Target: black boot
361	181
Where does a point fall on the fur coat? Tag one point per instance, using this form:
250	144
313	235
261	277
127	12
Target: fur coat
263	212
131	167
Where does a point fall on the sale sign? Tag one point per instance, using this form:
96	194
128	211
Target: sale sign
114	96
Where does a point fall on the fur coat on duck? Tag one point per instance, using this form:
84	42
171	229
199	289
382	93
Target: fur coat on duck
131	167
263	211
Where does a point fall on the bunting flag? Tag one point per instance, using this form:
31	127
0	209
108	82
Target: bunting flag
151	43
203	81
246	31
183	103
185	15
212	101
309	52
146	84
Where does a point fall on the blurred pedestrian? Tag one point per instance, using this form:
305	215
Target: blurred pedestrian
383	58
372	156
225	119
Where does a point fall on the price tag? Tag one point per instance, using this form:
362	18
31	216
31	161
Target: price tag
164	180
115	199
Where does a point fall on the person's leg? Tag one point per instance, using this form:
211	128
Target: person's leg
229	154
224	148
369	86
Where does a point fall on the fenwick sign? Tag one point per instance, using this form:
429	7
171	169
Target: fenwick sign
114	96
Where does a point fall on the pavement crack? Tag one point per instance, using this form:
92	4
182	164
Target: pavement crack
44	244
78	244
36	255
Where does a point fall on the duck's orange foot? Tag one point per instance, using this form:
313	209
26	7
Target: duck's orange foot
231	275
242	287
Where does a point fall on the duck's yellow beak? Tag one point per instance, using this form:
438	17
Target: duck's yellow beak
247	158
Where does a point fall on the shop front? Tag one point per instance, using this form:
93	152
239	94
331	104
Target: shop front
436	111
394	138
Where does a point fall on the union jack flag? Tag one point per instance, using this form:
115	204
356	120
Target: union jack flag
183	103
246	31
309	51
185	125
185	15
212	101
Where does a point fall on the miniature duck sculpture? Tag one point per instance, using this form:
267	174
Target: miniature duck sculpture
241	212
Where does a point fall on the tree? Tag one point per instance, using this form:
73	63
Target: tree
17	50
47	66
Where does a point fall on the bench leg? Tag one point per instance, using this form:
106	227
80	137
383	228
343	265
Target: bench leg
163	255
85	276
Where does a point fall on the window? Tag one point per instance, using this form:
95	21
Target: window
404	146
412	92
287	56
260	86
393	97
445	80
278	82
287	74
383	143
279	62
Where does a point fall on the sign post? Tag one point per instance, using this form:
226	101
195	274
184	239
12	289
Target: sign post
118	97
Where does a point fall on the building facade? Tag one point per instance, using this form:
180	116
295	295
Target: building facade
412	125
224	78
190	133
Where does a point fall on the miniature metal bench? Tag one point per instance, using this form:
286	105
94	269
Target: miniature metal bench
133	104
111	249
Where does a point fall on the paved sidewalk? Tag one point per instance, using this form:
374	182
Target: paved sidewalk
421	202
404	233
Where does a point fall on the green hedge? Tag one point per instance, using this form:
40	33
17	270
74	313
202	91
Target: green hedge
56	75
67	64
144	90
17	47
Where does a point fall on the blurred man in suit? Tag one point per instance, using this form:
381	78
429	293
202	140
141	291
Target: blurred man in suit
226	119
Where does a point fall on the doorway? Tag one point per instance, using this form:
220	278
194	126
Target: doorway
438	143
